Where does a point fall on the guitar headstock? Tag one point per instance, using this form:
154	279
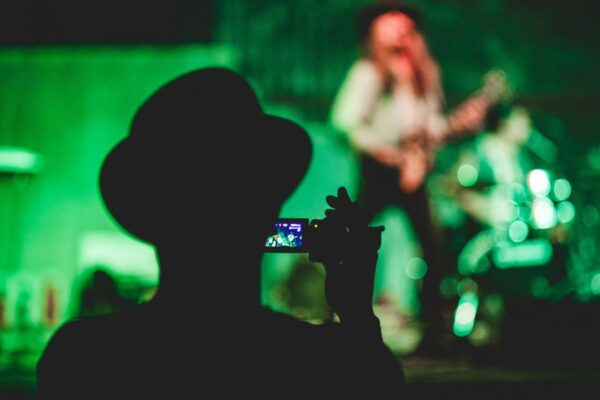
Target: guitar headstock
495	86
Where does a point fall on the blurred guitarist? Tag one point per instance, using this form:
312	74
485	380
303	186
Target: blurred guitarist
390	107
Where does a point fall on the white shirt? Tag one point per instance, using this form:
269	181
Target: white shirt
373	117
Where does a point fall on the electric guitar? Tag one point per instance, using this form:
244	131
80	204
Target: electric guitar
417	152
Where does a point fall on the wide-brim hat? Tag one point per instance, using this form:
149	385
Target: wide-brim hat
200	141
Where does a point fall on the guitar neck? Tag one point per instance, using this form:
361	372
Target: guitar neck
487	96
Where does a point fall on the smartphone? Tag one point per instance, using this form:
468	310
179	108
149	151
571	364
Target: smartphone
290	236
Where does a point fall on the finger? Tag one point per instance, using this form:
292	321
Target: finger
332	201
341	200
343	194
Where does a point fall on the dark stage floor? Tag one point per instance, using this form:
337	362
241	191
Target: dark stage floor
461	377
464	377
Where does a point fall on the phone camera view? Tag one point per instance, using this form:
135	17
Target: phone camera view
288	236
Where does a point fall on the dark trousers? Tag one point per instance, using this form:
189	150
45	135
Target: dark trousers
379	188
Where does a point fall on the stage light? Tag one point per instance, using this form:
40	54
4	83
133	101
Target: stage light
464	316
529	253
565	212
467	175
518	231
544	215
15	160
538	182
561	189
416	268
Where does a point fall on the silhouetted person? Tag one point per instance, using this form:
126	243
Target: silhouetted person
100	294
190	170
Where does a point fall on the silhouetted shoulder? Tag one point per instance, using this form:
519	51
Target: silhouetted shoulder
84	354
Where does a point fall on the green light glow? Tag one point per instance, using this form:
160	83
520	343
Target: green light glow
19	160
544	215
518	231
530	253
416	268
587	247
538	182
72	104
467	175
473	258
595	284
590	215
561	189
565	212
540	286
464	316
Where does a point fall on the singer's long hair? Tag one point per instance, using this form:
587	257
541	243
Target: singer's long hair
426	80
427	77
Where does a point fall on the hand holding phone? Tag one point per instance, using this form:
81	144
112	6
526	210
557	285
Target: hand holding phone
345	244
350	262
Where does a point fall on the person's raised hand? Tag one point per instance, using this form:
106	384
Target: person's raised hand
348	250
